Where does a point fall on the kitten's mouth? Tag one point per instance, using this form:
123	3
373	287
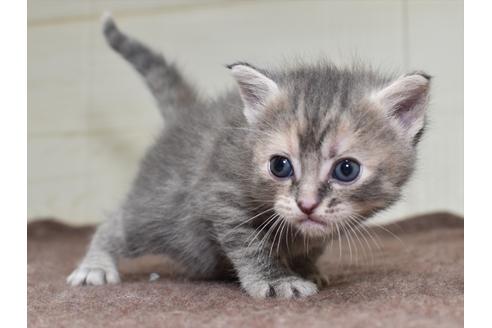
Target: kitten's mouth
312	221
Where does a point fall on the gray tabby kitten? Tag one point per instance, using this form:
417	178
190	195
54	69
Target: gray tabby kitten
234	187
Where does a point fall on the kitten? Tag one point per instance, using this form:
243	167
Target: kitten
234	186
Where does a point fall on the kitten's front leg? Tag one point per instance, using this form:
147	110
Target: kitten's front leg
99	264
260	273
306	268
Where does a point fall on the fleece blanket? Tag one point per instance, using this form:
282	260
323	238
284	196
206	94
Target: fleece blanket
409	274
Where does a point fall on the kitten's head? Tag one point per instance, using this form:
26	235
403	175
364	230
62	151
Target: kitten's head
331	146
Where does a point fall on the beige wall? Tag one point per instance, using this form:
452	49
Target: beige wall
90	117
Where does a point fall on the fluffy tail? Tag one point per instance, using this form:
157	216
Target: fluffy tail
164	80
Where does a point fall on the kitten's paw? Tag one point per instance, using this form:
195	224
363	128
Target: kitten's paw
311	273
94	276
319	279
288	287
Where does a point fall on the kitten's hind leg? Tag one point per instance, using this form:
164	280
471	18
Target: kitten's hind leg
99	264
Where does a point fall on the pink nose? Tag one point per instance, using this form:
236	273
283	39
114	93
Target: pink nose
307	206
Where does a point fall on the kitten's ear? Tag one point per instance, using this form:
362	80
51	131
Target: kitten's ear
255	88
405	100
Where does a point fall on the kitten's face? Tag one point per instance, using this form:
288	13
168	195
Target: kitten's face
331	172
326	159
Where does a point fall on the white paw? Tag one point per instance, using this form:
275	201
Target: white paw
288	287
84	275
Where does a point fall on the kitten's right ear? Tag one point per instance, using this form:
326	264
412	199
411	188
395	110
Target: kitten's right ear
255	88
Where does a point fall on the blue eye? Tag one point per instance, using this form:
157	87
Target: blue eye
346	170
281	167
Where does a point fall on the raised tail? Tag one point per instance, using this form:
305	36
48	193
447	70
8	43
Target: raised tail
164	80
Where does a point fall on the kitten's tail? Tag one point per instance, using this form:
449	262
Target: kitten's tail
164	80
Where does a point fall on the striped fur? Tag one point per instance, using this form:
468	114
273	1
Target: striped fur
204	195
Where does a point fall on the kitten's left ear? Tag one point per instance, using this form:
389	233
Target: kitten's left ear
406	100
255	88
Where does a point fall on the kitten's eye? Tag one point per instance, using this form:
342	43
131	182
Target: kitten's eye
281	167
346	170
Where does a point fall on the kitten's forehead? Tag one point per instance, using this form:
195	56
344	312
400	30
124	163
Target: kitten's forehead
318	104
323	134
325	113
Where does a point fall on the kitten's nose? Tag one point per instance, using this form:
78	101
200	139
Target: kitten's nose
307	206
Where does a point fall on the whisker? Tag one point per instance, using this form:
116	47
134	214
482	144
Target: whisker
339	243
297	233
250	219
331	236
355	226
287	233
266	236
388	231
262	226
278	224
374	239
348	242
281	232
359	242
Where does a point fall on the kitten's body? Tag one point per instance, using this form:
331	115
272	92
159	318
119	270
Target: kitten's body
202	195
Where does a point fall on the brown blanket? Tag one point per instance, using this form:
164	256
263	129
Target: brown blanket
412	280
